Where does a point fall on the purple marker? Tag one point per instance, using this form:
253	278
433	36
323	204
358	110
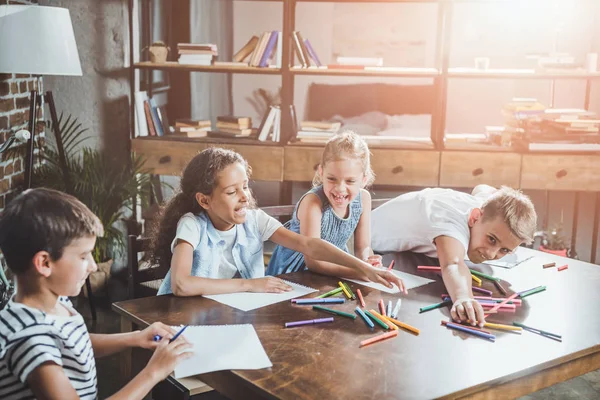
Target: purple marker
471	331
480	290
329	300
308	322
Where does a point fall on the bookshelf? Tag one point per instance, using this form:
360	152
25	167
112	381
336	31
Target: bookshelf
420	165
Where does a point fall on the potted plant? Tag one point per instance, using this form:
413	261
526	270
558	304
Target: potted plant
554	242
108	186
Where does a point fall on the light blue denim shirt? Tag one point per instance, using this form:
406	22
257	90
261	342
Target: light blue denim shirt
247	251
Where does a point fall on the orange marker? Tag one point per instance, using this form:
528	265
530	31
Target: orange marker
403	325
391	265
379	338
382	307
360	298
384	319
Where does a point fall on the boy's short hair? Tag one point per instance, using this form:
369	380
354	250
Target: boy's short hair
43	220
515	209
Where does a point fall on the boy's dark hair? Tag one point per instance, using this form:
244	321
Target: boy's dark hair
43	220
199	176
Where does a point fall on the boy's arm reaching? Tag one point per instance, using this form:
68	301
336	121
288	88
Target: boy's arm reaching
457	279
107	344
184	284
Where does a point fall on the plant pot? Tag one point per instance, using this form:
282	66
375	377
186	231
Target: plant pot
99	279
562	252
158	54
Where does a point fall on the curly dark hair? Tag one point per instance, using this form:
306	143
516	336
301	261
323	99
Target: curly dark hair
199	176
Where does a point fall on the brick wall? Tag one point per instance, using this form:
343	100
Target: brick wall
14	115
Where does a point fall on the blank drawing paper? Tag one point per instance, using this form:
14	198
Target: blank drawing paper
251	301
222	347
410	281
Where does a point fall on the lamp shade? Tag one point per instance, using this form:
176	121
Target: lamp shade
37	40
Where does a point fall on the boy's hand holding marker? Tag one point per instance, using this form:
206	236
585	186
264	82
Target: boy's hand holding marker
468	309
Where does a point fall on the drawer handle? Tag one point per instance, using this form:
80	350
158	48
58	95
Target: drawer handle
315	166
561	174
477	171
397	170
164	160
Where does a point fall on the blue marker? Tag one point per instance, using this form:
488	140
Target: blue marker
158	338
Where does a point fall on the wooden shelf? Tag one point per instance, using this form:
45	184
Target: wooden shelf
368	71
506	73
373	1
174	66
209	140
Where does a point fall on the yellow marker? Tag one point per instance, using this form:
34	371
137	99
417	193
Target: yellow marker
384	319
344	289
502	327
476	279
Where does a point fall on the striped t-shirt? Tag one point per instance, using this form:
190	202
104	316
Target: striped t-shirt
30	337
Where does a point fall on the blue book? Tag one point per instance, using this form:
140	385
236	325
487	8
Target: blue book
155	118
268	49
311	53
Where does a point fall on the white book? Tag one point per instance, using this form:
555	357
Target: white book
141	126
279	58
264	133
276	126
221	347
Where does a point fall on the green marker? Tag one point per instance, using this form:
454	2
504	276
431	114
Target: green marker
533	291
330	293
336	312
434	306
482	275
377	320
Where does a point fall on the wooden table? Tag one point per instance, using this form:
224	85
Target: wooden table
325	362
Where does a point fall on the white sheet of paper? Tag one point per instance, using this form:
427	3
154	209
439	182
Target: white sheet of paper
509	260
222	347
251	301
410	281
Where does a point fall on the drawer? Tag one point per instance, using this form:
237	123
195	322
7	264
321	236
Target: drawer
169	157
405	167
557	172
468	169
301	163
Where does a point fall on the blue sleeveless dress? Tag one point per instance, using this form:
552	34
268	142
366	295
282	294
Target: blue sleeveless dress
334	230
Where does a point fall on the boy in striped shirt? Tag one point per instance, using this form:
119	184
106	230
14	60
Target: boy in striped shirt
47	238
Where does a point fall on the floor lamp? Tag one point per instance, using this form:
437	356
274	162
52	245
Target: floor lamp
39	41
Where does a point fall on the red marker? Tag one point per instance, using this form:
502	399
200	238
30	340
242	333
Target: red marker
360	298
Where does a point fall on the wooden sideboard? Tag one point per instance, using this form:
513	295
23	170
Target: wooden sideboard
395	167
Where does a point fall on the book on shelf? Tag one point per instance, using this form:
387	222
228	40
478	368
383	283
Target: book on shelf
269	50
223	134
235	131
232	125
312	53
298	48
246	50
184	47
196	133
268	125
149	121
229	64
320	125
241	121
192	124
164	119
141	125
193	59
156	123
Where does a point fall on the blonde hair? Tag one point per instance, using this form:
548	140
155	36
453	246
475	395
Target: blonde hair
346	145
515	209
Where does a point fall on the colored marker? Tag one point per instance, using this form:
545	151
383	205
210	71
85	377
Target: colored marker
467	326
404	326
552	264
484	291
465	329
379	338
336	312
308	322
482	275
497	306
396	309
541	332
360	312
434	306
330	293
533	291
381	307
320	301
529	290
391	265
352	296
563	267
476	279
429	268
384	320
344	290
500	287
360	298
377	320
503	327
158	338
388	311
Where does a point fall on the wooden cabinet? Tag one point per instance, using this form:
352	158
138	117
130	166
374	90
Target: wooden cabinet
405	167
561	172
301	163
169	157
467	169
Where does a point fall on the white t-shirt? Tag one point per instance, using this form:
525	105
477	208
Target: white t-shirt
188	230
413	220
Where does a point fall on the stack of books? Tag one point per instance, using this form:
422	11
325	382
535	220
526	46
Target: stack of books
233	127
261	52
196	54
192	128
305	53
314	131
